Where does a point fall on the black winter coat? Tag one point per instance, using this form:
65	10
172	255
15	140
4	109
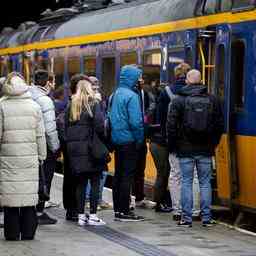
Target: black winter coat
178	141
78	135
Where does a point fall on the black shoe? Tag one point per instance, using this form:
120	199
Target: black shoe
209	223
163	208
1	225
176	217
12	239
71	216
27	238
45	219
185	224
131	217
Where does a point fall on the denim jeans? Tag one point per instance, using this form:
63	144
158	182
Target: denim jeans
102	184
203	166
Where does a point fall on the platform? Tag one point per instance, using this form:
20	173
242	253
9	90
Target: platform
157	236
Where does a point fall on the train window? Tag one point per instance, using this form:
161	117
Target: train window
108	75
90	66
210	7
237	73
151	66
189	56
73	66
220	81
226	5
175	58
58	69
243	3
128	59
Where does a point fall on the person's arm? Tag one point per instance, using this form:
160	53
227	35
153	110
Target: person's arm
40	137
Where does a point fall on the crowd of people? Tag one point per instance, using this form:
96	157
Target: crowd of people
180	123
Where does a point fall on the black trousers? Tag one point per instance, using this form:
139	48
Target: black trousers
49	168
125	168
69	185
139	178
160	156
82	182
20	223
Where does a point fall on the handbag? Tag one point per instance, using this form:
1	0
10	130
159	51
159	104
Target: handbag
43	190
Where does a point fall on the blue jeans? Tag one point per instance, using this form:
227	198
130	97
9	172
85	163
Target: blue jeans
102	184
204	171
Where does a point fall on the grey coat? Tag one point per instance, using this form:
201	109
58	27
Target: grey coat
39	95
22	137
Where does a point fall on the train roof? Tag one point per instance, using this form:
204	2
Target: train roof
130	15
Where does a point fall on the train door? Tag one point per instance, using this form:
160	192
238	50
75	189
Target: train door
108	75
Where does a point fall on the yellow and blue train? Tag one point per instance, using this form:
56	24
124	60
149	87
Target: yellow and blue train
216	36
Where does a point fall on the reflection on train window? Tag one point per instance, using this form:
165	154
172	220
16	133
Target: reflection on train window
220	81
73	66
189	56
175	58
108	75
226	5
128	59
210	7
243	3
151	66
90	66
237	73
58	69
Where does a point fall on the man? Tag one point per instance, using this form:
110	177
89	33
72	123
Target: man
39	93
194	126
127	134
173	170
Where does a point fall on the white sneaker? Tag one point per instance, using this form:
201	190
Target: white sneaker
145	204
95	221
132	203
82	219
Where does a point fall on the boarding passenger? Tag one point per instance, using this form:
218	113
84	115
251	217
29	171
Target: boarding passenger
194	126
83	120
166	97
23	145
128	137
40	92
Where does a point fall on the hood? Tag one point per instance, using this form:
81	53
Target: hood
38	91
15	86
178	85
129	76
193	90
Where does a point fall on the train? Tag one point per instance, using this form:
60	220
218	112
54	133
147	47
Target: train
216	36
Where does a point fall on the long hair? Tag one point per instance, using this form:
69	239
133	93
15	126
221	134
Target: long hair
83	100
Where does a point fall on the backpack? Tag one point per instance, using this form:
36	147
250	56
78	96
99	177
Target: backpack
198	116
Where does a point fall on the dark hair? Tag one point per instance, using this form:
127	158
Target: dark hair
59	92
41	77
75	79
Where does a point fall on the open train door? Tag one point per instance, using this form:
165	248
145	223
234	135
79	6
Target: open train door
226	157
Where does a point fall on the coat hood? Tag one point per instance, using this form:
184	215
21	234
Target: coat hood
178	85
15	86
193	90
38	91
129	76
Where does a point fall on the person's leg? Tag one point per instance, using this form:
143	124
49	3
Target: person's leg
138	187
28	222
95	186
175	184
102	184
12	223
82	181
187	172
88	191
204	170
116	180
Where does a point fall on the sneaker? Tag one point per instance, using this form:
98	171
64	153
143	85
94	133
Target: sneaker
93	220
45	219
145	204
132	204
82	219
209	223
105	206
131	217
49	204
185	224
176	217
163	208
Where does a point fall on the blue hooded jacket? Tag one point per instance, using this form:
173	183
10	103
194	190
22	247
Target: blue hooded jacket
125	113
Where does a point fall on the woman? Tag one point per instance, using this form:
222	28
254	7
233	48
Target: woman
82	118
23	145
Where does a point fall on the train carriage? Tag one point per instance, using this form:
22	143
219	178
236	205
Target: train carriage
216	36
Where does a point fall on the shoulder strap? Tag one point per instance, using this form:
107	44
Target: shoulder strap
169	92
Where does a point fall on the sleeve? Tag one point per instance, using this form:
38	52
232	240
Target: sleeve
98	120
150	112
40	137
135	118
218	122
172	125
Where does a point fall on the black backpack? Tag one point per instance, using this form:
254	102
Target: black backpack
198	116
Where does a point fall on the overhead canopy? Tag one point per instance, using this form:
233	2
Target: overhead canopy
134	14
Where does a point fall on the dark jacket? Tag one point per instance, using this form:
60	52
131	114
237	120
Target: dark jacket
77	136
178	142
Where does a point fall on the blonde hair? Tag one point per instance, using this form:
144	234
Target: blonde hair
84	99
181	70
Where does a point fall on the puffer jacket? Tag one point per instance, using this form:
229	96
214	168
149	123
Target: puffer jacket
39	95
23	143
178	141
125	114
